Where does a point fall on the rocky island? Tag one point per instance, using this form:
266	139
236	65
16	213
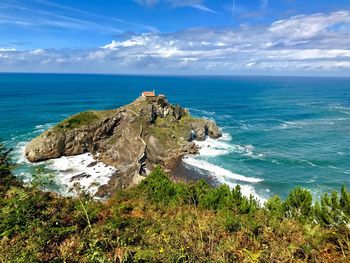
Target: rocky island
134	139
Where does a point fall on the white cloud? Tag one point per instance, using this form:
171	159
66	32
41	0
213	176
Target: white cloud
135	41
38	51
7	49
286	46
304	27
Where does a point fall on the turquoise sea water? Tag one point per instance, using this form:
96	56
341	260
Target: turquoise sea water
279	132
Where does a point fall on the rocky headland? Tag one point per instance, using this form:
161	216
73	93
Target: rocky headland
134	139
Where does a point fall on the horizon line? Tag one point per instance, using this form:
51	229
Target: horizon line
177	75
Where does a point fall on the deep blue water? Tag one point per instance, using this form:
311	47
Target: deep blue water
286	131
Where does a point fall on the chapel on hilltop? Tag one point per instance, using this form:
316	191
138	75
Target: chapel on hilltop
148	94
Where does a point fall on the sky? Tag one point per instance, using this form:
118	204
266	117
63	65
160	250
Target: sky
176	37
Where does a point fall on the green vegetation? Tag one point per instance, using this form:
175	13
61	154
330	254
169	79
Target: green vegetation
7	179
172	133
165	221
78	120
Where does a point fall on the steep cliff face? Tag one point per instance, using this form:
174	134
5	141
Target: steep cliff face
134	138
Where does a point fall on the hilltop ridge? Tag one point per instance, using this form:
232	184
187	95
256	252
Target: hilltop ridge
133	138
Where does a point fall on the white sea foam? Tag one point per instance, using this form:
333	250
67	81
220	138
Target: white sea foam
211	147
222	146
226	137
340	108
65	168
226	177
204	112
310	163
68	167
218	171
42	127
289	125
299	124
19	153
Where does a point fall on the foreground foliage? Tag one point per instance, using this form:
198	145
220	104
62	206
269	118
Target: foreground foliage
164	221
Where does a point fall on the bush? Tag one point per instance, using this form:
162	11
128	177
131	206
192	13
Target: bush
217	198
333	210
7	179
195	192
230	220
159	188
345	201
274	207
298	204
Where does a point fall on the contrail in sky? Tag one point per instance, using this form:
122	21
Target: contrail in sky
233	8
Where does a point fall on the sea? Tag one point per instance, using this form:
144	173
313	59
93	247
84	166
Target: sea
278	132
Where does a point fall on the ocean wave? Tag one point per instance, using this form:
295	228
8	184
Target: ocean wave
310	163
248	151
338	169
290	161
223	146
290	124
19	152
218	171
204	112
224	176
340	108
226	137
66	168
82	169
216	147
42	127
299	124
211	147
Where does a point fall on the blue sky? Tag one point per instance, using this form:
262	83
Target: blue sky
231	37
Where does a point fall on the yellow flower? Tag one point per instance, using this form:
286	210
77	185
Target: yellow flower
161	250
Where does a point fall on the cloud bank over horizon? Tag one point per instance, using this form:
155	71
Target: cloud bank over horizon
312	44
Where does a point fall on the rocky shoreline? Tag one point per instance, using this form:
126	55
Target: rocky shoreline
134	139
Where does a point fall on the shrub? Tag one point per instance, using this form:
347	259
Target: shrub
274	207
345	201
244	204
7	179
333	210
217	198
298	204
159	188
196	192
230	220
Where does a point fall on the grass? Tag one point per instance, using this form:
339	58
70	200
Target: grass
78	120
